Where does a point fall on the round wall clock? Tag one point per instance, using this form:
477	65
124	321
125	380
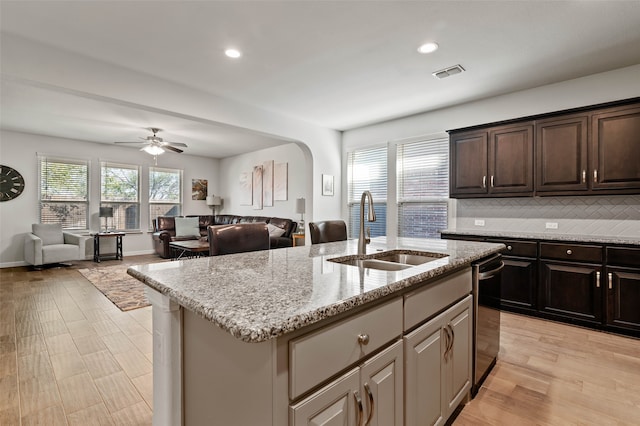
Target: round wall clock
11	183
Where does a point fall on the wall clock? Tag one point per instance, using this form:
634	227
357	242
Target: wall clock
11	183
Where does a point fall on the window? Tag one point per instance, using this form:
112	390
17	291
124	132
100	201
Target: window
422	170
165	194
367	171
119	188
64	187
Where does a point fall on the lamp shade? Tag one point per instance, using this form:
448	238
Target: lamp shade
106	212
300	205
214	200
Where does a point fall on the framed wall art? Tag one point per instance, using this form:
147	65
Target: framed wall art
327	185
198	189
280	184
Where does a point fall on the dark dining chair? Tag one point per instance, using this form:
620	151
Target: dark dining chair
328	231
238	238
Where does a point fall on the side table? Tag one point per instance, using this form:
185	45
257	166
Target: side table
298	239
96	245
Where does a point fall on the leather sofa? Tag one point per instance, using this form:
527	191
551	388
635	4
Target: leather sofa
164	230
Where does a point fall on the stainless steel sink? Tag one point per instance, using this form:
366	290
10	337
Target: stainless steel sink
394	260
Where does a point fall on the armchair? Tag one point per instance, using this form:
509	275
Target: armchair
48	243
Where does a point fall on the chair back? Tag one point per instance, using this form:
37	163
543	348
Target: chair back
49	233
328	231
239	238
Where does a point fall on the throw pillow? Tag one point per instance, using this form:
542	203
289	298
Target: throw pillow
187	227
275	231
49	233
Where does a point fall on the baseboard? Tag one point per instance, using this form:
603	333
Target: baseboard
137	253
13	264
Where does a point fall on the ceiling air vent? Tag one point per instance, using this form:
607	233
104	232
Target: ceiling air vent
456	69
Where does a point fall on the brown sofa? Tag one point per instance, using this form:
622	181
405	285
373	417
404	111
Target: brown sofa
164	230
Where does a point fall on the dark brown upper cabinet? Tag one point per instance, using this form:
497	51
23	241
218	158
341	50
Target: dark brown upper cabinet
561	154
615	153
492	162
586	151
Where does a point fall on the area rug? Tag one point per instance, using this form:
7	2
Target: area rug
123	290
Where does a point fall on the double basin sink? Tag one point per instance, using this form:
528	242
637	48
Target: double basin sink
393	260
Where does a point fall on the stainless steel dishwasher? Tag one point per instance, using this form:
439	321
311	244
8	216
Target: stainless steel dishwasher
486	317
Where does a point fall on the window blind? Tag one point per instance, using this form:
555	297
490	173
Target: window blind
165	193
423	188
64	186
367	171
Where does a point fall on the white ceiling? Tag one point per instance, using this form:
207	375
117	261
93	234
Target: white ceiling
336	64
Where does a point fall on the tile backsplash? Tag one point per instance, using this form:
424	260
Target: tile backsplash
617	215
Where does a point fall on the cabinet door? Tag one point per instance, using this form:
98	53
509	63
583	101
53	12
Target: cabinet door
519	284
561	154
382	387
616	149
623	294
511	160
458	362
424	374
468	163
572	290
334	405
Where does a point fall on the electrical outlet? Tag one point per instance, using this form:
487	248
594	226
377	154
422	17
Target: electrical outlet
551	225
479	222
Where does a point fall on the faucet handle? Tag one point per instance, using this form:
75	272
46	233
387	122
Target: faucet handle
368	235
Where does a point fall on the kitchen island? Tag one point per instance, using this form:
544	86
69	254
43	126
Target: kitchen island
259	338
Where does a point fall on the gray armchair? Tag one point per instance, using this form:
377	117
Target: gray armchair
48	243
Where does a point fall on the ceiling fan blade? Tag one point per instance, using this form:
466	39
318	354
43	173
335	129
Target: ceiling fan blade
170	148
184	145
137	143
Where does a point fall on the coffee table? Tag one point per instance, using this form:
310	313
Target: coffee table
188	249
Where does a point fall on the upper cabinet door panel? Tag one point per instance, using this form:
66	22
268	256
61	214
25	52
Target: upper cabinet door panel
616	149
469	163
511	159
561	154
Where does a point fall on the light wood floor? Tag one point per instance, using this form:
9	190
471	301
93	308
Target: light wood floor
70	357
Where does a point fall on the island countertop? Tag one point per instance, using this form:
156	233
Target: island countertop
261	295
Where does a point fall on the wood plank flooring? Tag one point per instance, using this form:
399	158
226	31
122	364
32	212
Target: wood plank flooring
68	356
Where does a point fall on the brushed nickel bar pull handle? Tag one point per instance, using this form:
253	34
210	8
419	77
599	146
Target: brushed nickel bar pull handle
595	176
453	339
446	342
584	176
371	404
492	181
610	281
598	279
358	400
484	181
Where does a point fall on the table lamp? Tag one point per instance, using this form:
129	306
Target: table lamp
106	212
300	208
213	201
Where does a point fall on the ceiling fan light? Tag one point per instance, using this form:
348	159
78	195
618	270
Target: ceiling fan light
153	150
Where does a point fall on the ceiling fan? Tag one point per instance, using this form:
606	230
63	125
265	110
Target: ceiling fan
156	145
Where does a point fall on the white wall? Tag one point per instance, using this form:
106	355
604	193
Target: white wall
230	169
19	150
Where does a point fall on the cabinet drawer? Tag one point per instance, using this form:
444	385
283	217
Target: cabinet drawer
319	355
424	303
623	256
577	252
518	248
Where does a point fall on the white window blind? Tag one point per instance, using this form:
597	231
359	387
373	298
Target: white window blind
64	191
367	171
423	188
165	193
120	189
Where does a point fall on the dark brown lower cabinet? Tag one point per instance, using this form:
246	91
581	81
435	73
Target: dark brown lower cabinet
519	284
571	291
623	298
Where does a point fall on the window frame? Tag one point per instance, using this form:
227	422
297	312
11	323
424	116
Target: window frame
117	204
153	203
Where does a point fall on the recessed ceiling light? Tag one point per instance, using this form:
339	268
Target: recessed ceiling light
232	53
428	47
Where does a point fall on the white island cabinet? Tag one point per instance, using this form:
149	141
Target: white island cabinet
345	345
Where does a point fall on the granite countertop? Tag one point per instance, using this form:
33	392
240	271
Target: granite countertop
576	238
262	295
